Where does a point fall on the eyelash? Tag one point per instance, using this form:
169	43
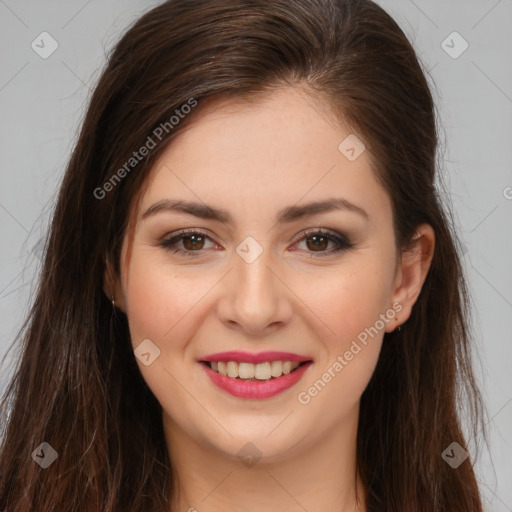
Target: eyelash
342	243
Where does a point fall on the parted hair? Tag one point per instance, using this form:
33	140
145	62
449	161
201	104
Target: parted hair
76	384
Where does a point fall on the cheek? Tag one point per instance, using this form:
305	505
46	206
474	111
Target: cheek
352	298
352	304
161	306
158	298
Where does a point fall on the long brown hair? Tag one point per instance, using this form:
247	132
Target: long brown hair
77	386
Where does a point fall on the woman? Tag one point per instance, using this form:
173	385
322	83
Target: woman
251	296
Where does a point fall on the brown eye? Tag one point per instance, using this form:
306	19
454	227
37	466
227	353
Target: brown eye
317	242
193	242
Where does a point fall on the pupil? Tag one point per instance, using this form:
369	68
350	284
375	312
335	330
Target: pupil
316	241
196	239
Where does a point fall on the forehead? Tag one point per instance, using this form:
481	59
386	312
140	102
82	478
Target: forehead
256	158
285	144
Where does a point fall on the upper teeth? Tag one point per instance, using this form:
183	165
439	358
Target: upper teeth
261	371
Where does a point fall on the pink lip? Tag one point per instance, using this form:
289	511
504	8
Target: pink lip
261	357
254	389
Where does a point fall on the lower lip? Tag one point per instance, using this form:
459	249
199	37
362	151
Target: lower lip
254	389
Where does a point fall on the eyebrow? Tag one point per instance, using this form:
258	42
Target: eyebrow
284	216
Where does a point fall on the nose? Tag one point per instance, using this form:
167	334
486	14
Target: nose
255	298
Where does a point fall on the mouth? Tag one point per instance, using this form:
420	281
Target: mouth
251	372
255	376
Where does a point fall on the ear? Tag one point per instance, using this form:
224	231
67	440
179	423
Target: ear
412	270
111	286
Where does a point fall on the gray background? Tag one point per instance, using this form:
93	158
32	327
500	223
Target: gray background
42	102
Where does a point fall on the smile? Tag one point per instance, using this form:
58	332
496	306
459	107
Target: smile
254	372
255	376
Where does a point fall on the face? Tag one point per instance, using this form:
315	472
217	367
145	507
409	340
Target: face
259	273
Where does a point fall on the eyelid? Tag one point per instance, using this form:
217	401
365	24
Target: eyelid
183	233
342	242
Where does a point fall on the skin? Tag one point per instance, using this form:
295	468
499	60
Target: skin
253	159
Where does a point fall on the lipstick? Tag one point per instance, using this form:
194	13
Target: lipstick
260	357
260	387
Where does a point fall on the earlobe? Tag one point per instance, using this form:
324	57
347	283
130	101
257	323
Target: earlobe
111	288
412	272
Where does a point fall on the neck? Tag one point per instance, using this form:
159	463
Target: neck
316	476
